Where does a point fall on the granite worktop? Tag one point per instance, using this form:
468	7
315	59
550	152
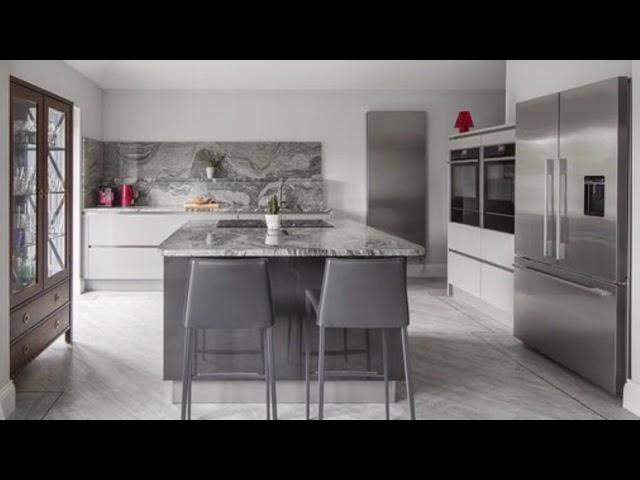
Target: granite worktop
181	209
202	238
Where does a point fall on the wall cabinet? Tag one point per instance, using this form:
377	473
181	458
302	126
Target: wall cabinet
40	222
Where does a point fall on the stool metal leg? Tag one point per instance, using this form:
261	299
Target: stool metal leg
265	370
307	358
345	344
367	340
407	370
272	370
385	366
193	357
186	372
321	375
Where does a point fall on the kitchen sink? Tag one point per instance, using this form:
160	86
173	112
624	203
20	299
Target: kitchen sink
301	223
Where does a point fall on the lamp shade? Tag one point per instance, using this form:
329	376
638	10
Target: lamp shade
464	121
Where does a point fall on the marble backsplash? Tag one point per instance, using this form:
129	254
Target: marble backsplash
92	170
171	173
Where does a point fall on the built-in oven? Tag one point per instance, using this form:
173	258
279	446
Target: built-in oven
465	186
499	187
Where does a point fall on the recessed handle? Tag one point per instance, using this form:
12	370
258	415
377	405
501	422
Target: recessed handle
26	318
25	349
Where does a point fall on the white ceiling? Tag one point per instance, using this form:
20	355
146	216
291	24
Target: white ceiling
294	74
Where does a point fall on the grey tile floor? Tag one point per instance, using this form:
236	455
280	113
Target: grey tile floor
466	366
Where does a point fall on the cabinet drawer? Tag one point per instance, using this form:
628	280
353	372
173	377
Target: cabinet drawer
497	288
28	347
104	263
497	247
143	230
31	314
464	273
465	239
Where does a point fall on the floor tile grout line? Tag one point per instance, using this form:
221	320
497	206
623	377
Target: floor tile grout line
44	417
549	382
459	310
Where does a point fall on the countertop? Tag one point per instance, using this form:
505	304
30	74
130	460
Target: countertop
181	209
347	239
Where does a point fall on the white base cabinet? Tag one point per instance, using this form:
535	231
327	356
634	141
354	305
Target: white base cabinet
121	249
480	263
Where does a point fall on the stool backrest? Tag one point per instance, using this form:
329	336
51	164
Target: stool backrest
228	294
364	293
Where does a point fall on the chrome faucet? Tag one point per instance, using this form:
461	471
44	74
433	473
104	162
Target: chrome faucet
281	185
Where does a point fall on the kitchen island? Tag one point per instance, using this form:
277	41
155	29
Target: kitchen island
296	262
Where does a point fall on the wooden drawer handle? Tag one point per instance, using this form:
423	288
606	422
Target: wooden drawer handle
26	318
56	297
25	349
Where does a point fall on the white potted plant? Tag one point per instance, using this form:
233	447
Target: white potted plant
273	217
213	162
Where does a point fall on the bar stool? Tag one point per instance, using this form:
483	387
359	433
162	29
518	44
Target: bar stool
228	295
363	294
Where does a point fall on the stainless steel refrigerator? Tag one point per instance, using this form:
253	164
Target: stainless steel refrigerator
571	229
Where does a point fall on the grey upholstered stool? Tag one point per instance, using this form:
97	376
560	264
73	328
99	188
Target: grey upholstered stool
363	294
228	295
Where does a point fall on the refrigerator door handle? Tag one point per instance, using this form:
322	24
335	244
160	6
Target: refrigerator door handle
562	207
548	191
598	292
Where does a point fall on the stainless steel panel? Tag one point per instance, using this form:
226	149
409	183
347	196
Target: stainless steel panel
396	171
536	150
579	323
592	120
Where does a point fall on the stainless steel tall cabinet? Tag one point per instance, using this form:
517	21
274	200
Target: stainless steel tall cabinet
571	228
397	173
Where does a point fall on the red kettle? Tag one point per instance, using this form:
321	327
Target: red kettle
127	195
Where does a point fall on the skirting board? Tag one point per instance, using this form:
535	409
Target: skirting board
123	285
505	318
631	397
428	270
348	391
7	400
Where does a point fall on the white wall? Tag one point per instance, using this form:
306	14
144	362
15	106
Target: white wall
335	118
527	79
60	79
4	231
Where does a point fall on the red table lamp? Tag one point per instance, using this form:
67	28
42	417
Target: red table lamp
464	121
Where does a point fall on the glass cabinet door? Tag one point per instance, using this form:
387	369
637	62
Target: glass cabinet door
56	191
26	198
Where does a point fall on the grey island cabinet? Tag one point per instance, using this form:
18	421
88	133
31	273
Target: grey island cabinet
296	258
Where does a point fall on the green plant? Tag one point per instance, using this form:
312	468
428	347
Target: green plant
273	207
216	159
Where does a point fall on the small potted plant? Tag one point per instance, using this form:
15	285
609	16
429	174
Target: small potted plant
213	162
273	217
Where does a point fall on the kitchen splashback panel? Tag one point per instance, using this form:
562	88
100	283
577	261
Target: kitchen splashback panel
93	171
171	173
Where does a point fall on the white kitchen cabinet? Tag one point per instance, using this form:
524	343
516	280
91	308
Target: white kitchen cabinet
497	247
464	273
465	239
144	230
480	263
106	263
496	287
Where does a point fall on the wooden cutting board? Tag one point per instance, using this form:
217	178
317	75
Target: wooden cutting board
197	207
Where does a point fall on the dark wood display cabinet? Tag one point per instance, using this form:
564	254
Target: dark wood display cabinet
40	247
